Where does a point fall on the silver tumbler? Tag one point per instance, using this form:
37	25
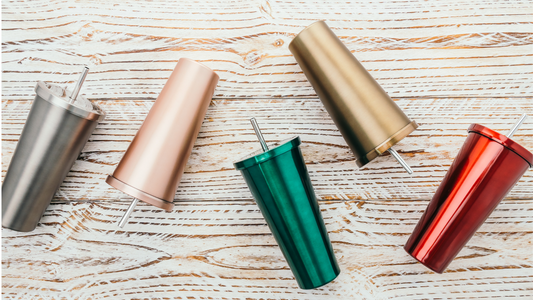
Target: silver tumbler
59	124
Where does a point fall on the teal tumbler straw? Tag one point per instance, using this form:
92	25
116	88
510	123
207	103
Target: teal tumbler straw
280	184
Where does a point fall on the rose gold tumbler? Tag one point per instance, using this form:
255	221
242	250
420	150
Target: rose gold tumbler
152	166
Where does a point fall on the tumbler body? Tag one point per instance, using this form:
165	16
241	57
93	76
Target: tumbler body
152	167
484	171
51	140
280	184
366	116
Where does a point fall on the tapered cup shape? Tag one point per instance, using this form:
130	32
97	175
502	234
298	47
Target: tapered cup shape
366	116
152	167
484	171
53	137
280	184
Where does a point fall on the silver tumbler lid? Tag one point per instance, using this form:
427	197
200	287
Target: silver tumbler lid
59	96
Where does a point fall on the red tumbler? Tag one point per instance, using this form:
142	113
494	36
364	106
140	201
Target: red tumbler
487	167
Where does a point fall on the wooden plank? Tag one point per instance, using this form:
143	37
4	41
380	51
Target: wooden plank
414	48
447	64
225	251
226	136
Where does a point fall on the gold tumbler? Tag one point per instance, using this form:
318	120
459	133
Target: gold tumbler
368	119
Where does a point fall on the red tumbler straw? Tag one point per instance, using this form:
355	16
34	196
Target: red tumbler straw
486	168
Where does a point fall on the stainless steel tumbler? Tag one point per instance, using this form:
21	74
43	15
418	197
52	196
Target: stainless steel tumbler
368	119
152	167
58	126
281	187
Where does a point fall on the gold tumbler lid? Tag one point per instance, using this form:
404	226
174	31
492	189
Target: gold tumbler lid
368	119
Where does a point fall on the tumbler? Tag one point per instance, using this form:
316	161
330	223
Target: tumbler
368	119
152	166
486	168
58	125
280	184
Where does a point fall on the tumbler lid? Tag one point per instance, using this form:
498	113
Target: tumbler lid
58	96
504	141
259	156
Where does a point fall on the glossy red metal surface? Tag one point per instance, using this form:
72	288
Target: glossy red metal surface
502	139
484	171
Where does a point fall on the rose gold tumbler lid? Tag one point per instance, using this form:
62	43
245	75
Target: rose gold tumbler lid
152	167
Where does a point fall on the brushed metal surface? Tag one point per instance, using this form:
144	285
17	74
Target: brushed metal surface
366	116
138	194
49	92
152	167
51	140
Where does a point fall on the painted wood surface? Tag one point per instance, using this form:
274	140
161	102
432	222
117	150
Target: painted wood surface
447	64
413	48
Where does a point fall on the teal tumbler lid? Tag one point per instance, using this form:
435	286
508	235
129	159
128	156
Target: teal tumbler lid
259	156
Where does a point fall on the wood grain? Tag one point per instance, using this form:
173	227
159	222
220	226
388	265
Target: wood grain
413	48
226	136
447	64
225	251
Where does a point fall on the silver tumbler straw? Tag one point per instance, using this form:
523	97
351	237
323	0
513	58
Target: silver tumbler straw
59	124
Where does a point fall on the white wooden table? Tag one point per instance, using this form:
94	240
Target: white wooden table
447	64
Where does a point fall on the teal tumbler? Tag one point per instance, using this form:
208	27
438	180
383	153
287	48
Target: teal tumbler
280	184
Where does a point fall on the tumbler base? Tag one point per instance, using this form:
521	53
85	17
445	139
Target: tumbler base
432	268
322	284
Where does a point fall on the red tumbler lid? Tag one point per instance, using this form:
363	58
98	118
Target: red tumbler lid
505	141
